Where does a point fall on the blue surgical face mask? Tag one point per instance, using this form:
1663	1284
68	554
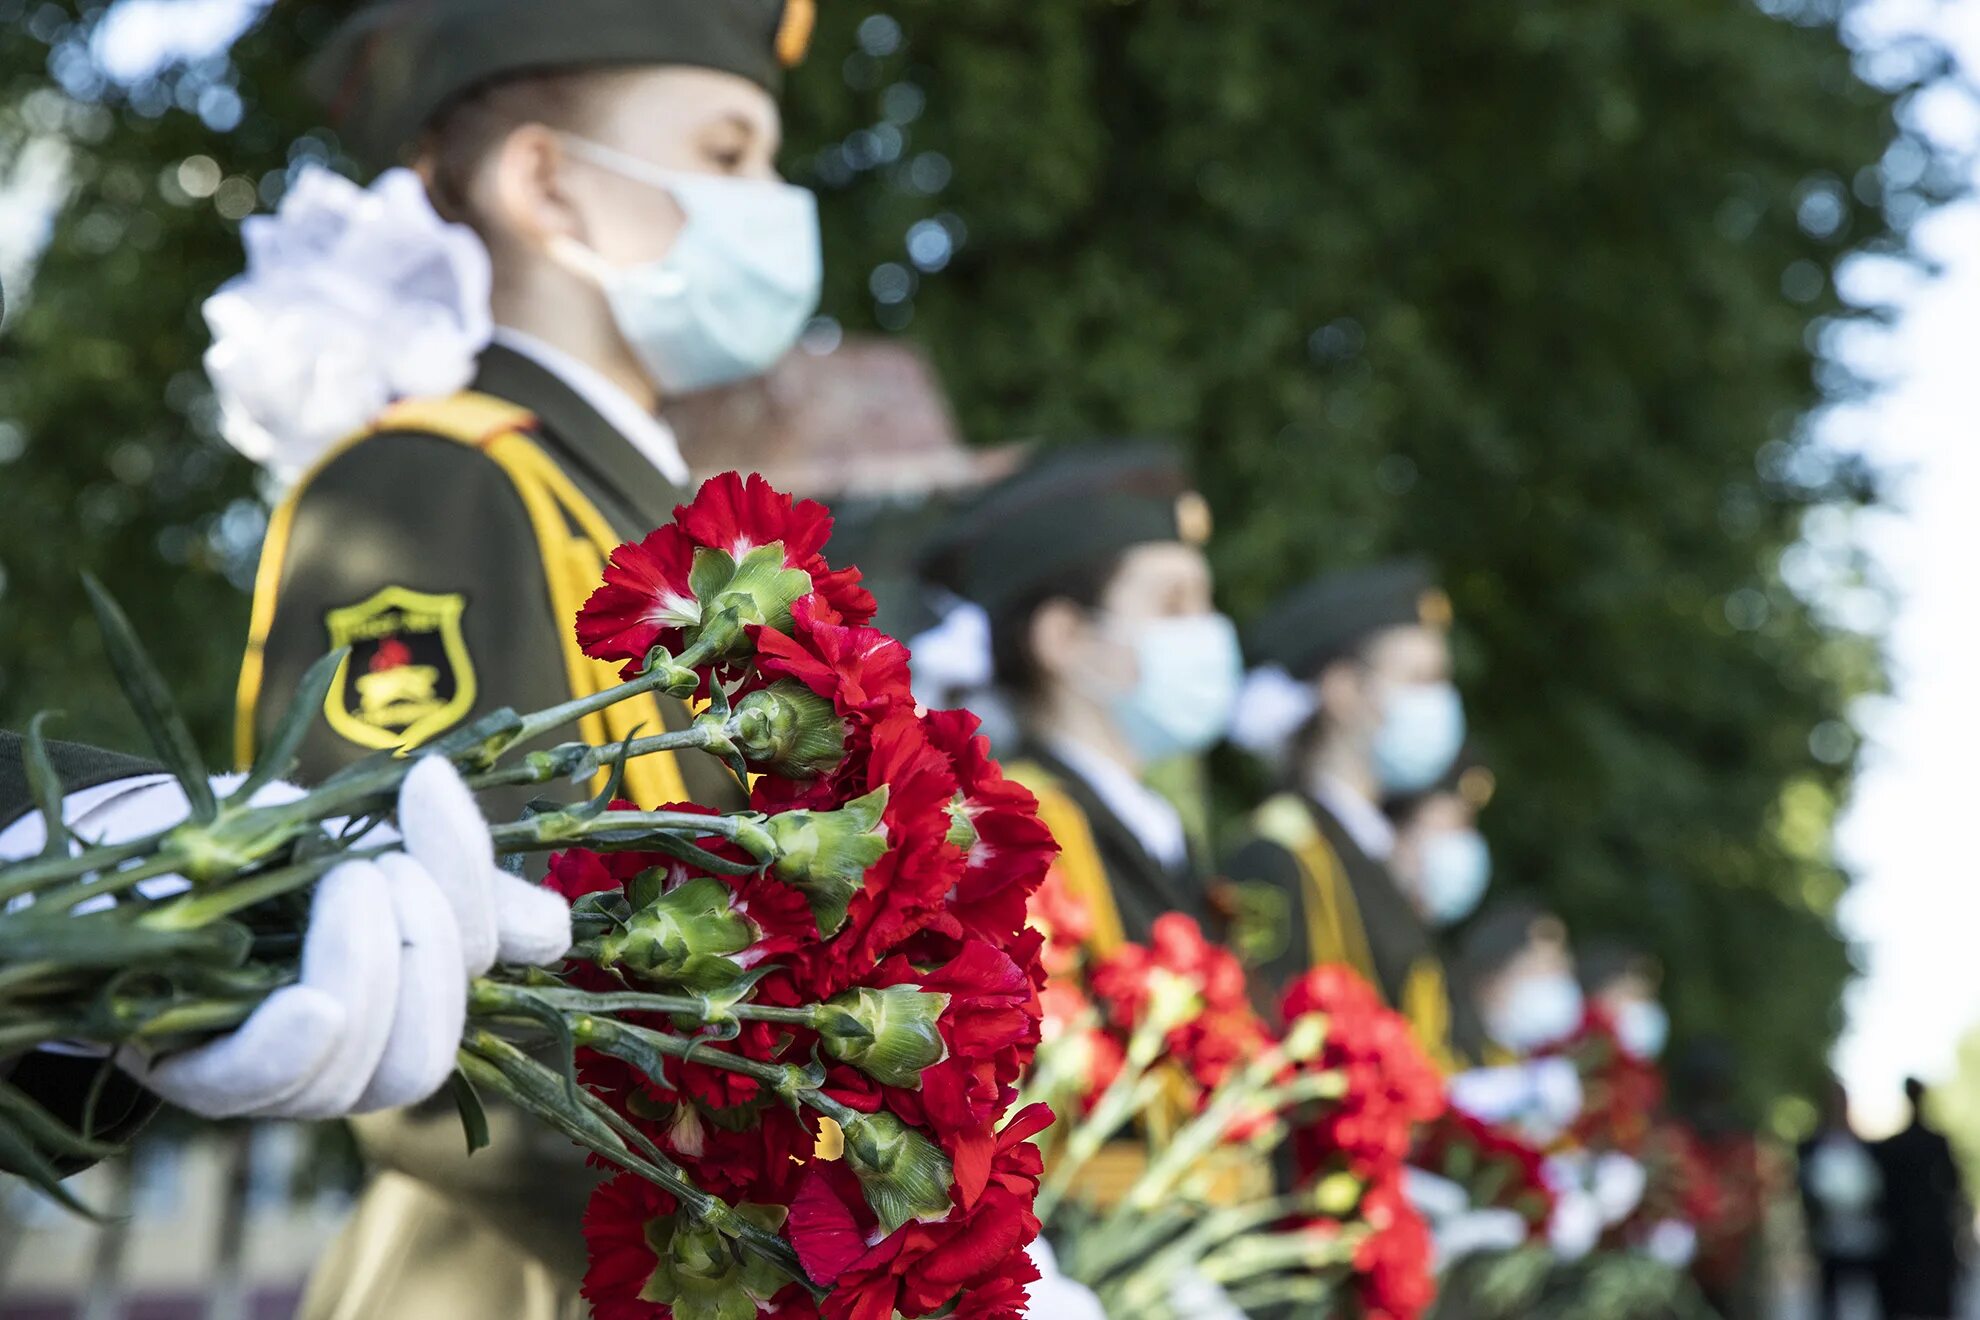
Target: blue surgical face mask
1642	1026
1539	1011
733	293
1457	866
1190	670
1421	734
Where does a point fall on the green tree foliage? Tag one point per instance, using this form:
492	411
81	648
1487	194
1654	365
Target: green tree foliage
1533	288
108	456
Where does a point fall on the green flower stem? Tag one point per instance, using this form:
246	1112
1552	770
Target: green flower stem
27	877
700	1007
1293	1294
195	910
625	830
1153	1270
1247	1092
1121	1101
208	1015
110	882
578	761
494	1065
666	677
36	1031
1271	1253
637	1045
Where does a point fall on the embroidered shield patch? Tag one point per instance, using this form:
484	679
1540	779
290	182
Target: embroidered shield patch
408	675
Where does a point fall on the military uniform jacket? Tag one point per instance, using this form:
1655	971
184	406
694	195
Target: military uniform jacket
450	547
1351	911
1101	860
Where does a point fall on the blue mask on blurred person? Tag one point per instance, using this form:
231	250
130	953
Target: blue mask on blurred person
1421	735
1643	1027
1190	671
1539	1011
1457	867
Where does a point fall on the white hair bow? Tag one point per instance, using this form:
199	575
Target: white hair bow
352	298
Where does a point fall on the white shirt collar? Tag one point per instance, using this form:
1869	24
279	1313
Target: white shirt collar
1150	817
1371	831
651	436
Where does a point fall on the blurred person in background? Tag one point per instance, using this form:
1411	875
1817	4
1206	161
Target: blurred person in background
1841	1190
615	231
1620	984
1352	697
1106	640
1440	859
1927	1220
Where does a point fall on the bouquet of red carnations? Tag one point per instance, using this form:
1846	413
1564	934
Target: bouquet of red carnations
1208	1161
796	1030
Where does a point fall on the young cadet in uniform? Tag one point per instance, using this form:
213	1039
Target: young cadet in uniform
1622	983
616	157
1104	636
1368	657
1440	860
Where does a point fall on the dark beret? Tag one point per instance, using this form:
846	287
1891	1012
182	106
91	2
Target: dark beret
1067	510
1313	625
1497	936
1600	963
388	70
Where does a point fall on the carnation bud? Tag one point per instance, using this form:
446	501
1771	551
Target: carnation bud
904	1175
756	589
825	854
1336	1194
685	935
1306	1038
962	827
703	1275
789	730
890	1034
1172	1000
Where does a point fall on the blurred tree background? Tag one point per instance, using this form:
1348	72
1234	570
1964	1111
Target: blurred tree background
1542	289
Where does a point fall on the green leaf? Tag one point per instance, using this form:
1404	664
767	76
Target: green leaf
152	701
280	753
19	1156
47	1132
474	1119
46	786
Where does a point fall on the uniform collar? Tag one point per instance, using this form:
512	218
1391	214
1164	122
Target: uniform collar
1363	820
653	438
1156	825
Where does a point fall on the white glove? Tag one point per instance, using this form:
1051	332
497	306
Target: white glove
1055	1295
375	1018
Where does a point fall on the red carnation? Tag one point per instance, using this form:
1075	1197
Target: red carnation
1393	1263
1225	1031
621	1257
735	515
920	1268
647	598
1392	1086
1009	849
990	1031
